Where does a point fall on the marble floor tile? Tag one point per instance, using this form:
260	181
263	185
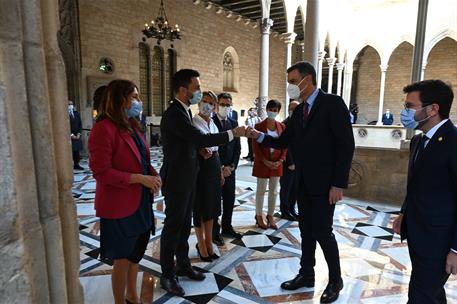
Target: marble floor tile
268	275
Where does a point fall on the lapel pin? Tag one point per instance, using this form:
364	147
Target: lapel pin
440	138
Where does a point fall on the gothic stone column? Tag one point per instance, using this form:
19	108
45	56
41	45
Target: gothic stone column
39	243
265	29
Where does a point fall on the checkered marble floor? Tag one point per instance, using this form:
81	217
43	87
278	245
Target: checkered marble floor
375	265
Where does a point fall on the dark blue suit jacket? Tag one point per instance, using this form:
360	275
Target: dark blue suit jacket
387	121
180	142
430	207
229	153
322	146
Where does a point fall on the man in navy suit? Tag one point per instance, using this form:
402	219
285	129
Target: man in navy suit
428	218
320	137
387	118
181	140
75	129
230	155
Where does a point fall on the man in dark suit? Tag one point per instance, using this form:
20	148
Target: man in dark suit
320	136
287	194
428	216
229	155
181	140
75	129
233	114
387	118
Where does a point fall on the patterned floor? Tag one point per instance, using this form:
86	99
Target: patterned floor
374	263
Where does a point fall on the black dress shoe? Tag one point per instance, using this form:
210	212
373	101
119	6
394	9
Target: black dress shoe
298	282
218	240
191	274
214	256
232	233
171	285
78	167
294	216
332	292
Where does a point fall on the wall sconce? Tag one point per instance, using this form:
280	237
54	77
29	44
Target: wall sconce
106	65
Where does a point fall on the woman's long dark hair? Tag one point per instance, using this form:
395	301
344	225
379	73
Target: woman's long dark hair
114	105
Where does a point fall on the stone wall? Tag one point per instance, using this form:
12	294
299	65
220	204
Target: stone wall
398	75
367	89
442	64
112	28
379	175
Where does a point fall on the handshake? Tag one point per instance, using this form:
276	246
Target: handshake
246	132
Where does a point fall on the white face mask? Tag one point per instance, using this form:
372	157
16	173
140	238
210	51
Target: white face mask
272	115
224	111
294	90
70	108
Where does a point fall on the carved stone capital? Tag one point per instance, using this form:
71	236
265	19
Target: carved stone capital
265	26
289	38
321	55
384	67
331	61
340	66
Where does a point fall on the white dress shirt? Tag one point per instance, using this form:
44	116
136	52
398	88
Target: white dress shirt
206	128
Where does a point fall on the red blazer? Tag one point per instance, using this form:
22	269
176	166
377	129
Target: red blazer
113	157
260	153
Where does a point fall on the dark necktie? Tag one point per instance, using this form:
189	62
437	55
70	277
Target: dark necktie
305	111
224	124
72	114
421	147
190	114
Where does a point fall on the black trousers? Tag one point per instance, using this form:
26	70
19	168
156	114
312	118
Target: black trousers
176	231
76	157
287	193
315	222
428	277
228	201
250	154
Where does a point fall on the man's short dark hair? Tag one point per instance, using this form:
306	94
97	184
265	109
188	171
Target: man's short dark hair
304	68
273	103
433	91
225	96
183	78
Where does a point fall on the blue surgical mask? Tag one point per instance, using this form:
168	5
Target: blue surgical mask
272	115
196	97
407	117
135	110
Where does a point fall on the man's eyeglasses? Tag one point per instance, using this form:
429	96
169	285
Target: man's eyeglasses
408	105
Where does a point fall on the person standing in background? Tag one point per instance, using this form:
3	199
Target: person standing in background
75	129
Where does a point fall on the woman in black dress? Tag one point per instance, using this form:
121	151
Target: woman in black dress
208	193
126	183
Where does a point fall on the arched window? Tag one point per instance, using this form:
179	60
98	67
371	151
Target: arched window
231	70
145	76
158	81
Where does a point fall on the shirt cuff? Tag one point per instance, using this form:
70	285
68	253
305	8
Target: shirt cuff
230	135
261	138
454	250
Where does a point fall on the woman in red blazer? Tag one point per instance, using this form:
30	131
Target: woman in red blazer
126	182
268	166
